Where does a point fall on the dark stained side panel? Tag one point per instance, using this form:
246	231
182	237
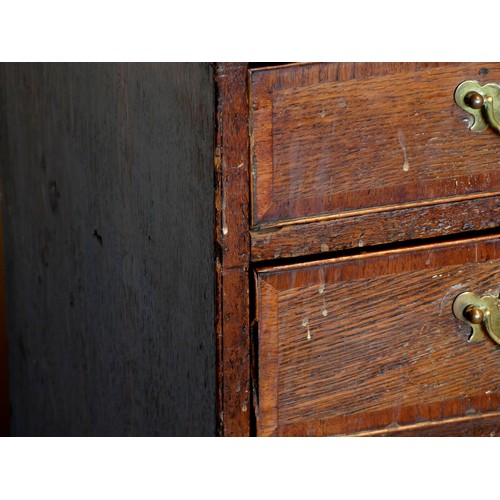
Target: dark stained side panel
107	193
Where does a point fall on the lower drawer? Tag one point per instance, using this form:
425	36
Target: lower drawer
370	343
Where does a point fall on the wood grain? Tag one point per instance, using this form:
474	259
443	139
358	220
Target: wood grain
4	359
327	141
107	182
397	225
484	425
369	342
233	255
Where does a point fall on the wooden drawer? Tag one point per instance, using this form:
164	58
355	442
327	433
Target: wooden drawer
330	143
370	343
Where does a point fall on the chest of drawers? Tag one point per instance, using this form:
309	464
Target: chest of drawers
245	249
372	207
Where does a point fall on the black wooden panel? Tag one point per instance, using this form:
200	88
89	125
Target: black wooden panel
107	184
4	368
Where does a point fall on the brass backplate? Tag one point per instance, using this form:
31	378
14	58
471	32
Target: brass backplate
490	93
487	321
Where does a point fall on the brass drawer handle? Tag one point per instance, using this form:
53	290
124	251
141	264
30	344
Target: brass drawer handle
482	102
480	313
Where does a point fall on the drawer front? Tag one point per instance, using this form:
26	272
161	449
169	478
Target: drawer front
327	143
370	343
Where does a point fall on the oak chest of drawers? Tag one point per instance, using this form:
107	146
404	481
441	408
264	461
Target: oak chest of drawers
373	206
248	249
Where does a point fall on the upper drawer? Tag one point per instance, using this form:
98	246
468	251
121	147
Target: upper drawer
330	139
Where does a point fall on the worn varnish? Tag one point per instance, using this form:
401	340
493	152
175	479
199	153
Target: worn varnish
233	245
329	139
369	229
108	204
482	425
370	342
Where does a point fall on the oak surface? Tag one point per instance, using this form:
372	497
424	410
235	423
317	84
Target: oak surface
370	342
326	141
233	250
366	230
482	425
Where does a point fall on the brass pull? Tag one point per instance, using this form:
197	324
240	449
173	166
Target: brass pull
480	313
482	102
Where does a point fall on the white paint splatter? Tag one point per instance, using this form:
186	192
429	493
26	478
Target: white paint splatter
401	139
305	324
